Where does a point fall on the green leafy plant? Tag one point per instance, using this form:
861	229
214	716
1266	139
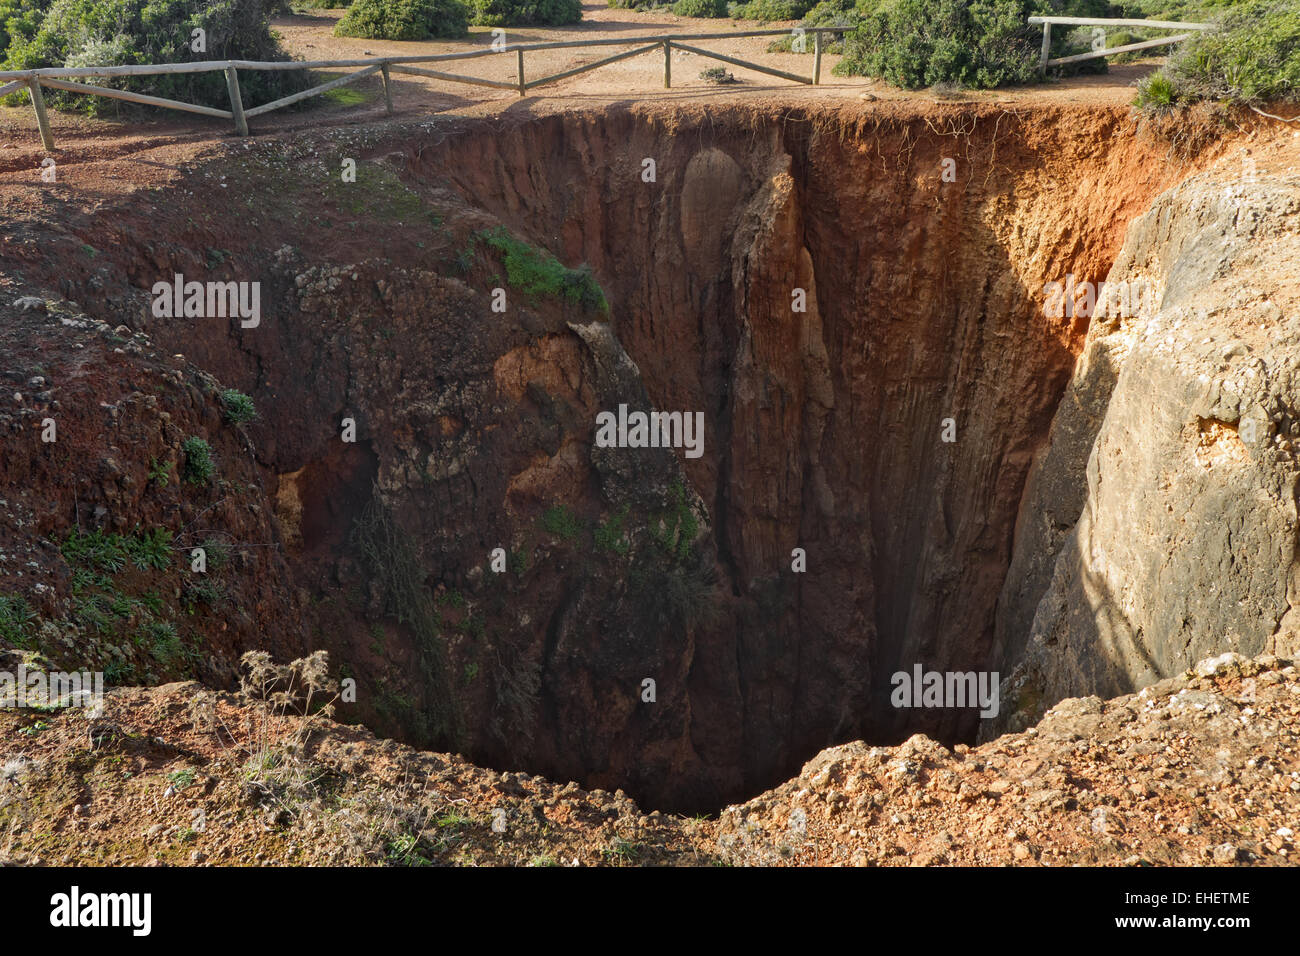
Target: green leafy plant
769	10
150	550
16	620
404	19
127	32
610	534
199	467
536	272
524	13
238	407
700	8
180	779
159	472
163	641
1252	58
718	75
561	522
914	43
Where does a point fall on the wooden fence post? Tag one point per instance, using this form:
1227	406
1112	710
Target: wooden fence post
1047	49
668	65
42	119
522	88
817	59
236	101
388	90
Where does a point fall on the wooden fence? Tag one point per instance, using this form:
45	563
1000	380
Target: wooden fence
1049	22
60	78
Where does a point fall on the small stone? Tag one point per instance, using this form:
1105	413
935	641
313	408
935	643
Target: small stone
1225	853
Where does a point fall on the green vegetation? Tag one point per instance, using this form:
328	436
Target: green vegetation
180	779
17	620
561	522
1253	58
392	559
1156	92
117	607
20	20
349	96
199	467
524	13
610	534
769	10
74	33
718	75
700	8
92	551
159	472
404	20
164	644
238	407
914	43
536	272
675	530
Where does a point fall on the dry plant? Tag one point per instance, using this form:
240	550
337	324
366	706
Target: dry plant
281	717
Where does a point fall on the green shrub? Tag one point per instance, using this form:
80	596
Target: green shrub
610	534
914	43
1155	92
1253	58
164	643
404	20
769	10
238	406
20	20
150	550
198	461
828	13
125	32
719	75
537	272
16	620
561	522
524	13
700	8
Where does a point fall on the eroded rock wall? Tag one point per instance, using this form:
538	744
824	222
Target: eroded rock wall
1159	526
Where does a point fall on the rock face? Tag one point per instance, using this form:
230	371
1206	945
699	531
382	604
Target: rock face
837	293
1159	526
921	303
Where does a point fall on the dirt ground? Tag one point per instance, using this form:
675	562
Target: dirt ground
106	157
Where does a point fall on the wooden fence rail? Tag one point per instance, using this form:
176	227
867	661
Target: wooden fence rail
1049	22
59	77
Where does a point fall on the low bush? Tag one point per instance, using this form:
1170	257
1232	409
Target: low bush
524	13
20	20
1253	58
700	8
914	43
537	272
405	20
238	407
769	10
125	32
199	467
